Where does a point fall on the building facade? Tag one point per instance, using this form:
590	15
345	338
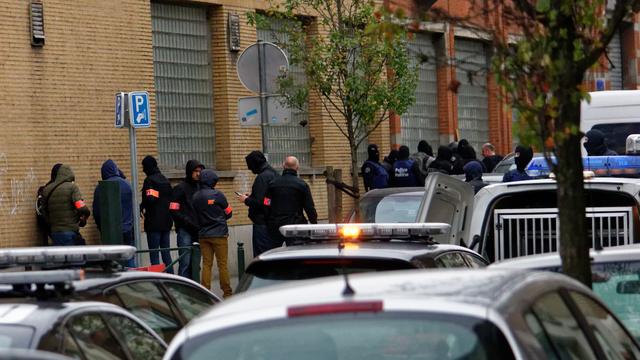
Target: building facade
57	98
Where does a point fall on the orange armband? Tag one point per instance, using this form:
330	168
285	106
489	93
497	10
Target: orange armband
153	193
79	204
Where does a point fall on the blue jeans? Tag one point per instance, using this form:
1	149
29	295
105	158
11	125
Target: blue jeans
184	264
260	239
63	238
159	240
127	239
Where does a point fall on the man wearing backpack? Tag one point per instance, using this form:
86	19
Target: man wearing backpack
64	208
423	158
43	225
375	176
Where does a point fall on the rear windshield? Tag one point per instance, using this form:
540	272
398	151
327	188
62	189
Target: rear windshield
381	336
616	134
265	273
390	209
15	337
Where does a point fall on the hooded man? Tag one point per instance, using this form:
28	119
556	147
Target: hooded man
473	175
423	158
212	212
156	196
265	174
64	207
405	170
523	156
596	144
387	163
374	175
111	172
40	215
443	163
184	215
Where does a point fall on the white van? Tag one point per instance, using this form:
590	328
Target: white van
615	113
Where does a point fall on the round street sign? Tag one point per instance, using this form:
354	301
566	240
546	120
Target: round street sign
248	66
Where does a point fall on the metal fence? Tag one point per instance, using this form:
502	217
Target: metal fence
522	232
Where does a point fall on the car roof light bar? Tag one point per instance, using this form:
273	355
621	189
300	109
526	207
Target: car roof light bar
375	231
41	277
64	255
600	165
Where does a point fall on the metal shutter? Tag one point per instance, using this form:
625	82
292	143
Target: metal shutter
420	122
614	50
286	139
183	79
471	72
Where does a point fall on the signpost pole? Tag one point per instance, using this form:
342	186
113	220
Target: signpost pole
134	183
264	117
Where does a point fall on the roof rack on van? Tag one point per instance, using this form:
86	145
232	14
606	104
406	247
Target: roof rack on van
357	232
61	256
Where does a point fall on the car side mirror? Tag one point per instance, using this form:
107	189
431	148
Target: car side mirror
628	287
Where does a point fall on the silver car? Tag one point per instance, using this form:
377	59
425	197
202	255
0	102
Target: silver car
447	314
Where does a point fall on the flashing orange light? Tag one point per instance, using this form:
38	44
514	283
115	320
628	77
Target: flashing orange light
350	232
351	246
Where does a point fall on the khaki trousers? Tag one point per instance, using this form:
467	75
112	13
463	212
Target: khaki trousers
217	247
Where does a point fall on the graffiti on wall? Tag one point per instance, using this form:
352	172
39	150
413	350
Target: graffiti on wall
17	193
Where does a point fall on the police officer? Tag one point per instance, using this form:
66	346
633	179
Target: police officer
523	155
405	170
373	173
286	198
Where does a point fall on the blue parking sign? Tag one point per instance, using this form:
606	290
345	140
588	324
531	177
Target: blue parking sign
139	114
120	98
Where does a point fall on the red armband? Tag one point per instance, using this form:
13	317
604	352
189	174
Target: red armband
267	201
228	210
79	204
211	202
174	206
153	193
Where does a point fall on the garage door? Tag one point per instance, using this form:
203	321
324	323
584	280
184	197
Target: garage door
615	55
420	122
471	72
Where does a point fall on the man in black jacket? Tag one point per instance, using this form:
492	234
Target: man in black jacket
156	196
212	211
183	214
257	163
287	196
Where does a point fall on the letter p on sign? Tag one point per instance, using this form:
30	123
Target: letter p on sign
139	114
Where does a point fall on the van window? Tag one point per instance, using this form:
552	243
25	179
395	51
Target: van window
616	134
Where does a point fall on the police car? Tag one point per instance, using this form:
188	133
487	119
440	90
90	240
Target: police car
36	313
441	314
615	278
332	249
164	302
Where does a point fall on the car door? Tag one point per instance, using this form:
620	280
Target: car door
448	200
146	300
189	300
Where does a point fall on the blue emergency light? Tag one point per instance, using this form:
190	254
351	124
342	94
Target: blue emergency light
620	165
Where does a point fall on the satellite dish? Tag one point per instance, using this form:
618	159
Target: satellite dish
274	61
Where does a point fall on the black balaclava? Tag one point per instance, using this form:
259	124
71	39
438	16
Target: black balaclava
255	161
423	146
392	157
149	165
444	153
374	154
403	153
595	144
524	154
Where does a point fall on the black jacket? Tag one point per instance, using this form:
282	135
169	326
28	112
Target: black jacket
287	196
490	162
255	201
212	212
181	205
156	196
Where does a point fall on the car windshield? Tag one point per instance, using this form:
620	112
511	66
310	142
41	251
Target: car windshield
390	209
508	163
618	285
383	336
616	134
15	336
266	273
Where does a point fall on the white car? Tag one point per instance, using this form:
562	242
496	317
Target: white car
448	314
616	278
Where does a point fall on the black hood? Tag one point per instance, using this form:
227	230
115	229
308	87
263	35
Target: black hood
150	165
255	161
191	165
392	157
403	153
423	146
595	144
524	154
444	153
373	153
467	152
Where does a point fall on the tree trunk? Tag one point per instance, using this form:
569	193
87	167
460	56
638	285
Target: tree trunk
574	244
355	181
